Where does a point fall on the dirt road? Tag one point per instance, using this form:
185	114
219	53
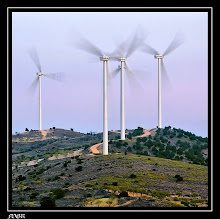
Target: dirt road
147	132
94	148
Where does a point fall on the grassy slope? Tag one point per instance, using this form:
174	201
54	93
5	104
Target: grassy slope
154	177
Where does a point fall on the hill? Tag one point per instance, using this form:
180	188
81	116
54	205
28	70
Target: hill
56	167
175	144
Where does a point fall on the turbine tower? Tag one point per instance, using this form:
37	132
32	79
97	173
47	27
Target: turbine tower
176	42
121	55
105	115
56	76
89	47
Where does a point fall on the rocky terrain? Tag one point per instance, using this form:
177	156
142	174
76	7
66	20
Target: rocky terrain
151	168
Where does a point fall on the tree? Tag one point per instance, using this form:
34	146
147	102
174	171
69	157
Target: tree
180	151
26	130
129	136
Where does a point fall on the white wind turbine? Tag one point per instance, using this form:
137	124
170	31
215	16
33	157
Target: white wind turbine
89	47
176	42
56	76
123	53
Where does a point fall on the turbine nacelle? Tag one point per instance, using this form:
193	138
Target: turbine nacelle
39	73
104	58
158	56
122	59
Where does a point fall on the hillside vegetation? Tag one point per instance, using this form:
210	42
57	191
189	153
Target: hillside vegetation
165	169
167	143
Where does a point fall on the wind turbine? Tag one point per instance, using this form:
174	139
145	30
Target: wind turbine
175	43
56	76
122	56
89	47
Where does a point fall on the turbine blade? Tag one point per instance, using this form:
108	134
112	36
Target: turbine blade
128	69
176	42
33	85
150	50
58	76
115	72
135	43
35	58
165	78
118	53
86	45
133	82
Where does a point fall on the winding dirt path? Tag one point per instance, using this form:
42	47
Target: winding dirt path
94	148
147	132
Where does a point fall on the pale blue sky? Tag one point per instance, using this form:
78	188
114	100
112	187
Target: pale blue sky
77	102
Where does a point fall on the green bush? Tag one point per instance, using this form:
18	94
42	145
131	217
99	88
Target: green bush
123	194
47	202
159	194
34	195
40	171
20	178
56	178
79	168
178	178
185	202
132	176
138	131
59	193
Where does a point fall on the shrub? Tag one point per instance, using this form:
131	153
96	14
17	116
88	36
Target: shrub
185	202
132	176
65	164
79	168
88	194
129	136
66	184
59	193
138	131
159	194
34	195
20	178
123	194
56	177
125	143
47	202
40	171
194	194
79	161
178	178
114	183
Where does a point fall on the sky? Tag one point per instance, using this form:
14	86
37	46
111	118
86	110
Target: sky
77	101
